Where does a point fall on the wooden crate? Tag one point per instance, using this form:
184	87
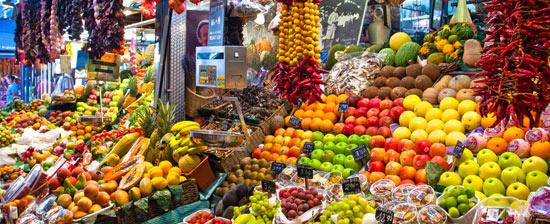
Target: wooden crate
266	125
256	137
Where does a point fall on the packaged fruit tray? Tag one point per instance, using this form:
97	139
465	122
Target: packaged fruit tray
299	205
199	217
500	210
464	217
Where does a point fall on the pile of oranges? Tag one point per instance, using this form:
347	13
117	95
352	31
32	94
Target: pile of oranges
319	116
84	132
284	146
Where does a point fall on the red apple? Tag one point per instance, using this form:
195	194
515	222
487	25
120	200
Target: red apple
385	121
395	112
406	181
393	168
407	158
377	141
359	130
376	166
398	102
377	154
353	99
407	172
386	104
372	131
420	176
256	153
374	103
392	143
391	155
372	121
350	120
373	112
406	144
348	129
350	112
422	147
361	121
441	161
384	112
363	103
420	161
361	111
384	131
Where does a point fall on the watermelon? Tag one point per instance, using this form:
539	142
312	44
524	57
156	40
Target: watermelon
408	51
388	55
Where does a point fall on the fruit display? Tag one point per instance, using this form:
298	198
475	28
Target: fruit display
10	173
200	217
358	206
70	148
261	210
297	201
34	105
22	120
370	116
101	143
284	146
83	132
181	143
87	109
457	200
250	172
64	119
6	137
447	44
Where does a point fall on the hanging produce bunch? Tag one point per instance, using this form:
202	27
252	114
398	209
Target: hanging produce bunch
148	6
297	74
108	33
515	82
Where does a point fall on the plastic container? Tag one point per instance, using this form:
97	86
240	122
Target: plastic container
187	219
539	205
432	214
422	195
219	219
203	174
381	190
466	218
500	209
404	213
401	192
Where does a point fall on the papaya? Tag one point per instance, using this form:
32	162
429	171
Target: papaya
145	186
121	169
122	146
131	178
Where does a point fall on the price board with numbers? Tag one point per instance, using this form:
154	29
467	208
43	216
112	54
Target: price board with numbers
305	172
277	168
384	216
294	121
459	149
360	152
351	186
268	186
308	147
343	107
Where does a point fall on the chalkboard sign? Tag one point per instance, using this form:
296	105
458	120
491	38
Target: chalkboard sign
341	22
296	122
277	168
360	152
308	147
305	172
351	186
343	107
459	149
268	186
384	216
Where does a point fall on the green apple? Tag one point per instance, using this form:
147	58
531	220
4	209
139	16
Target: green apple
350	148
355	139
352	164
317	154
339	159
348	172
509	159
489	169
340	148
338	167
315	164
318	145
467	168
317	136
512	175
326	166
497	201
536	179
467	155
480	195
342	138
534	163
518	190
329	146
493	186
365	140
329	138
473	181
328	156
450	178
304	161
485	156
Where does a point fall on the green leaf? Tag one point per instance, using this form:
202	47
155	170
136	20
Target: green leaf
433	172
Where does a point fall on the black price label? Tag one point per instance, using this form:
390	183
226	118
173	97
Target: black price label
360	152
277	168
305	172
299	102
268	186
351	186
459	149
296	122
384	216
308	147
343	107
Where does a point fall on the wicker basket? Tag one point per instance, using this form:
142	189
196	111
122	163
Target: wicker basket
194	101
190	192
256	137
266	125
225	159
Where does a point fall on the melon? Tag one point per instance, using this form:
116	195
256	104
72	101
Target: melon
459	82
398	39
188	162
132	178
388	55
407	52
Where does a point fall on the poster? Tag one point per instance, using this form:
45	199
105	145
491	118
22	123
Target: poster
216	28
196	35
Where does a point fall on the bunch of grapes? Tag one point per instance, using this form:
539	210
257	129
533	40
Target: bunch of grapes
350	210
260	207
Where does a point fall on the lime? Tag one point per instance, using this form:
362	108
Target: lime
463	208
462	198
443	203
470	192
472	204
451	202
454	213
455	192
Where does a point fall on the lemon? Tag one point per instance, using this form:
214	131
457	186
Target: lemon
406	118
449	114
433	113
437	136
402	133
453	125
410	101
448	103
417	123
453	137
466	105
471	120
435	124
156	172
165	166
418	135
421	108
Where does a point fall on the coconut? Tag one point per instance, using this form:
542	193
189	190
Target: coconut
414	91
432	71
384	92
379	82
399	72
398	92
414	70
447	92
423	82
370	92
277	122
387	71
407	82
392	82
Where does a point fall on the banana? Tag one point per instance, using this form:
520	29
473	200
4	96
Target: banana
179	153
185	131
185	142
197	149
182	124
174	142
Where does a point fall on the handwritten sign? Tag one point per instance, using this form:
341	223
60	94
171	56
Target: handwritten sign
277	168
351	186
268	186
305	172
384	216
343	107
296	122
360	152
459	149
308	147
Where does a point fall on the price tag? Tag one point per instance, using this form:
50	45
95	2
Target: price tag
305	172
308	147
351	186
384	216
343	107
492	215
277	168
360	152
299	102
459	149
296	122
268	186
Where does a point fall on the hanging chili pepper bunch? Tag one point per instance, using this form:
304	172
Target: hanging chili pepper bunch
298	75
148	6
30	38
107	34
515	60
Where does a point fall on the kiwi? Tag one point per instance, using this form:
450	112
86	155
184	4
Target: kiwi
370	92
392	82
399	72
423	82
384	92
387	71
407	82
398	92
414	91
432	71
414	70
379	82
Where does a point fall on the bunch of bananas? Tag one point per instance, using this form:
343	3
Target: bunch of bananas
181	142
299	32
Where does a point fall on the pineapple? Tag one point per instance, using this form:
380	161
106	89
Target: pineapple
131	89
148	84
156	123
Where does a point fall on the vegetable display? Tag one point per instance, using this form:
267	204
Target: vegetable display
515	82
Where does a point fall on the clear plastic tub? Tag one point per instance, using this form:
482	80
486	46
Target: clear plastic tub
401	192
466	218
432	214
422	195
404	213
500	209
381	190
539	205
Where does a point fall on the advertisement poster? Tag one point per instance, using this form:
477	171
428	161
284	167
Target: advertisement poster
216	18
196	35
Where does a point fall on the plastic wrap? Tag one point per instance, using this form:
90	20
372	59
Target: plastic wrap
352	75
539	206
500	209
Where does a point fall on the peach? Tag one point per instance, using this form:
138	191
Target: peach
407	172
269	139
394	178
391	155
361	121
393	168
420	176
377	154
407	158
279	132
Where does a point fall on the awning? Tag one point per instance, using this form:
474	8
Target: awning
7	54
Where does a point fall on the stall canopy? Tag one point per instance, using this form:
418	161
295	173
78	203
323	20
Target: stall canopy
7	43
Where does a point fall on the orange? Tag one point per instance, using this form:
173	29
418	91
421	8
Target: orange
308	114
274	157
269	138
330	116
287	121
88	129
311	106
275	148
395	179
289	132
315	124
342	97
299	113
329	107
319	114
497	144
488	121
375	176
267	146
326	126
338	127
438	149
306	122
279	131
331	98
541	149
265	155
291	160
281	158
513	133
80	132
320	106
